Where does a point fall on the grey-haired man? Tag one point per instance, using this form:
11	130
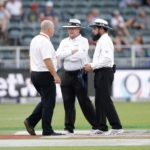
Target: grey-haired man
73	50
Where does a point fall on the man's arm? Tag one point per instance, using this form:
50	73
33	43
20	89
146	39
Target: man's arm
63	51
51	69
30	67
82	52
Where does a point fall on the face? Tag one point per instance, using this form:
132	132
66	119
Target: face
49	8
142	14
95	33
73	32
51	31
95	30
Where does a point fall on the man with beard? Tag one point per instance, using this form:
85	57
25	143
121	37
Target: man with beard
104	68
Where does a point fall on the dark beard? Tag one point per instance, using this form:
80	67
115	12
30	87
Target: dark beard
95	37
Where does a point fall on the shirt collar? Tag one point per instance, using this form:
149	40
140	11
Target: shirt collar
76	38
105	34
45	35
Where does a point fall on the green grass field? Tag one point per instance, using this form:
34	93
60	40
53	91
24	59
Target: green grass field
132	115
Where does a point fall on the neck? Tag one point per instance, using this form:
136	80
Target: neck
103	33
44	34
74	36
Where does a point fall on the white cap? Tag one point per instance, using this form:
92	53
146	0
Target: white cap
49	4
100	23
73	23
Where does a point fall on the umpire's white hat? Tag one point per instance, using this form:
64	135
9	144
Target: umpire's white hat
100	23
73	23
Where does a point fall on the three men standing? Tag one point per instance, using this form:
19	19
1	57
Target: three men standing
73	50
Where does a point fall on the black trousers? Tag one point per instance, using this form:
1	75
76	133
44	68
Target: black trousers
44	84
74	83
103	103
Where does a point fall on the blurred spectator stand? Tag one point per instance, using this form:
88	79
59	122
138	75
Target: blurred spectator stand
4	20
33	15
137	44
48	13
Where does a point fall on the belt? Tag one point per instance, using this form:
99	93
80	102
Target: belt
73	71
103	69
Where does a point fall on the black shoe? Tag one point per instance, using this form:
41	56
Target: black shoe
29	128
53	134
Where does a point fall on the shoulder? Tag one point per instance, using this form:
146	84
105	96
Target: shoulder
83	39
40	40
103	39
65	40
35	38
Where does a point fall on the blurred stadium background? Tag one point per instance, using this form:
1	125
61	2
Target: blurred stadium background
130	19
20	21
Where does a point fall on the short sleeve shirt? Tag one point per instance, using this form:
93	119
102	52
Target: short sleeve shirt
41	48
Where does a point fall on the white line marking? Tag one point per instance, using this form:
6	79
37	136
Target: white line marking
83	142
84	132
61	131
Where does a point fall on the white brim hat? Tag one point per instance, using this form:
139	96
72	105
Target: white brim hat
73	23
100	23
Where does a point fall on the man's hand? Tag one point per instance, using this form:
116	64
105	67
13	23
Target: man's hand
57	79
88	68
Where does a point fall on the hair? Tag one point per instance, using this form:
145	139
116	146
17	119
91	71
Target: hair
105	29
46	24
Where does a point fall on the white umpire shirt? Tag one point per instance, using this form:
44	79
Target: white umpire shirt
77	60
104	53
41	48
